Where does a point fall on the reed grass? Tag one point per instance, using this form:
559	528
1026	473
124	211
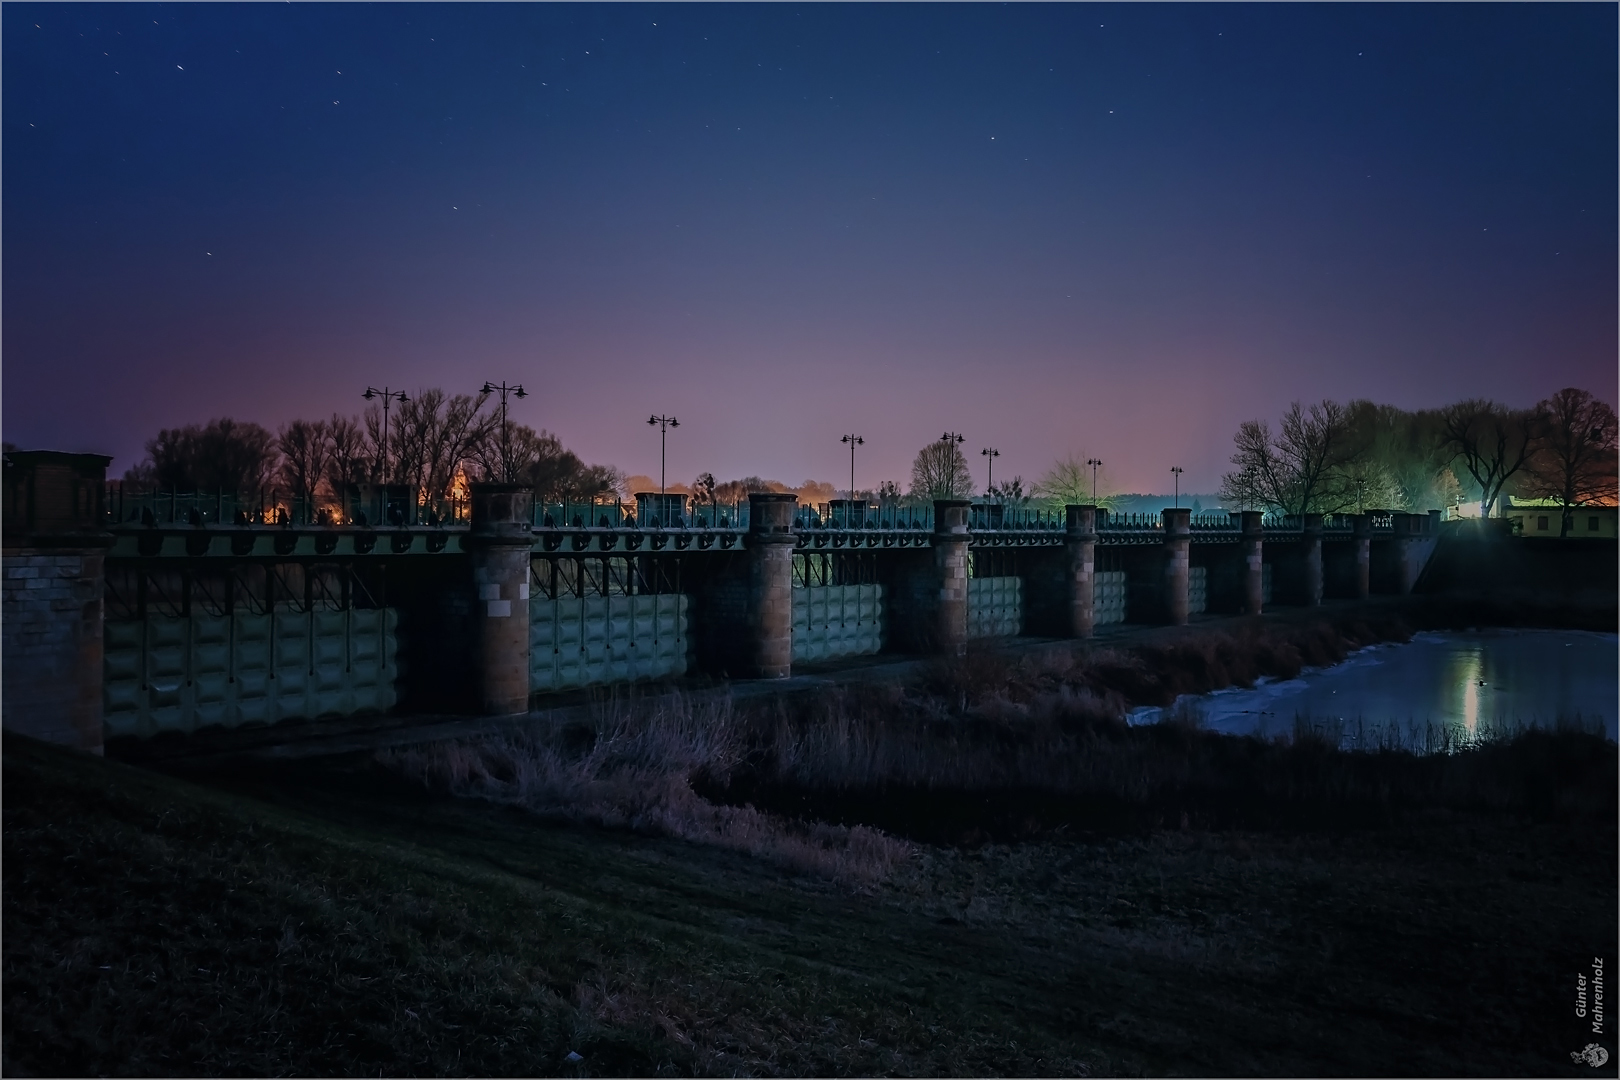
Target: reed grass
995	747
634	769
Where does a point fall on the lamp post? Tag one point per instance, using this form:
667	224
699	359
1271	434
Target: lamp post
1094	463
952	439
506	439
388	398
664	423
853	441
1177	470
990	454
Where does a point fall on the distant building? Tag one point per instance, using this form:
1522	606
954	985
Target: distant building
1541	517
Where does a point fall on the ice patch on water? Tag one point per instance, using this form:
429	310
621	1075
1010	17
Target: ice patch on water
1469	681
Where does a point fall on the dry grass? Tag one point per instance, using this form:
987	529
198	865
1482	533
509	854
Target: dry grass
325	919
634	769
999	747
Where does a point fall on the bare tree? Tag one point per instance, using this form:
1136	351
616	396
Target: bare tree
598	482
1399	463
1009	493
1576	459
539	459
306	452
352	458
1069	483
1300	470
433	438
736	491
379	441
940	471
1493	441
222	455
1371	483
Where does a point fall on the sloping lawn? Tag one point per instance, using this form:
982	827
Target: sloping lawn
327	920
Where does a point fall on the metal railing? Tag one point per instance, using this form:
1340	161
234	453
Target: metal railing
888	517
127	505
1213	523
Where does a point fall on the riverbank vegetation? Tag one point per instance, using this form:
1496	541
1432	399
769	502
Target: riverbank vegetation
1000	747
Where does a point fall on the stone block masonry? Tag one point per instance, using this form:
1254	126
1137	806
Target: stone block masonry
770	615
500	541
51	607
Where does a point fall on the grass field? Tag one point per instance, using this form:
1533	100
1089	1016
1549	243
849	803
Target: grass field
333	919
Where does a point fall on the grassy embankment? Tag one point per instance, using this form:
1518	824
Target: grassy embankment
1050	892
324	921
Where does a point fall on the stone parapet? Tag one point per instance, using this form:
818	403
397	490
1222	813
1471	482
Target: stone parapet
1080	536
950	544
51	617
1177	564
770	573
499	542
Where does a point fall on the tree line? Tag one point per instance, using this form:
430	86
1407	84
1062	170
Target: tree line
433	443
1324	458
1330	458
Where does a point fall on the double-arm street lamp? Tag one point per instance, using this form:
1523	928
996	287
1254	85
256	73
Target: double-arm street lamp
852	441
506	439
990	454
1177	470
664	423
1095	463
388	398
951	439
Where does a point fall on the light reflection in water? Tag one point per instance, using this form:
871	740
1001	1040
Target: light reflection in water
1468	683
1467	668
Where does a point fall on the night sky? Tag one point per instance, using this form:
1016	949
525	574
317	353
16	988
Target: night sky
1109	231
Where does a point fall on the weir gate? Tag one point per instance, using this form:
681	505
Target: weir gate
130	618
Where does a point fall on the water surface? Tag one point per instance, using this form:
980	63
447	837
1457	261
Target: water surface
1471	682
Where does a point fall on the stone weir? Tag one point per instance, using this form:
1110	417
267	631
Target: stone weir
138	625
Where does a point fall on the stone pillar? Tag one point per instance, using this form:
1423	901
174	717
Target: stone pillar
1310	545
1177	563
770	572
500	544
55	546
950	543
1081	539
1361	537
1254	562
1405	525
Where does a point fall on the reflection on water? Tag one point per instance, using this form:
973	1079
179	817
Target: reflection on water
1465	671
1468	682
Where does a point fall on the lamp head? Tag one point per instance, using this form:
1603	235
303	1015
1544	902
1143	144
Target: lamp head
369	394
402	398
520	392
487	388
651	420
674	422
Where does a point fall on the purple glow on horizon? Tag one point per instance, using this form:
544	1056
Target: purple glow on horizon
1053	236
